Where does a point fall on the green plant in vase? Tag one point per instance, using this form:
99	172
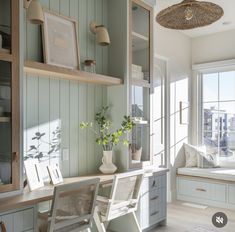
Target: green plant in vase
107	137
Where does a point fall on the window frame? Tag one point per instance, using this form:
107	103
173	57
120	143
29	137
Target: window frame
200	70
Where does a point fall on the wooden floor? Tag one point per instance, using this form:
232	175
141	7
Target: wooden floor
183	218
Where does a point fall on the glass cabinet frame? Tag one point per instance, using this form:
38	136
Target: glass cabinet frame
13	58
141	77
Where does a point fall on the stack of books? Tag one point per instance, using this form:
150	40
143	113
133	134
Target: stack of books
137	72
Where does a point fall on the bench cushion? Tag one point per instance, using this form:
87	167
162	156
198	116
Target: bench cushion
212	173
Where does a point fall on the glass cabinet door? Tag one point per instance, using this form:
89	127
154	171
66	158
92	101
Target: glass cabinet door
140	82
5	124
140	43
9	96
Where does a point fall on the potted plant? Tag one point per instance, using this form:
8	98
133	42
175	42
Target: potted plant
107	138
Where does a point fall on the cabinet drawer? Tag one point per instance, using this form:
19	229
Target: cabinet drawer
153	182
203	190
231	194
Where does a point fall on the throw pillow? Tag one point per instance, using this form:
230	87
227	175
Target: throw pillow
207	160
191	154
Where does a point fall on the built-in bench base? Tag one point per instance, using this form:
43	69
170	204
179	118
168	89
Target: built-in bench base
213	190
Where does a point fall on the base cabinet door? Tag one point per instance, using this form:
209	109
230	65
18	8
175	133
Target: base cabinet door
152	205
20	221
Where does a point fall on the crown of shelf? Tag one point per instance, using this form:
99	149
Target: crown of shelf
69	74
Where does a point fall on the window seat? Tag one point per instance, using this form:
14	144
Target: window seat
226	174
213	186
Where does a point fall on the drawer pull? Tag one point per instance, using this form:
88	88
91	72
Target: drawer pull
155	213
3	227
200	190
154	198
154	185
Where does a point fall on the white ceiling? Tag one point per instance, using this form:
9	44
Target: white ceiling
229	16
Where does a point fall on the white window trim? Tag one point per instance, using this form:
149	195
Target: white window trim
199	70
217	66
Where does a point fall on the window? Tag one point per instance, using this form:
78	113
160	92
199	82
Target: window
218	114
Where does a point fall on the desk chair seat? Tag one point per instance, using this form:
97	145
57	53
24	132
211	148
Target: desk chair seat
72	208
123	200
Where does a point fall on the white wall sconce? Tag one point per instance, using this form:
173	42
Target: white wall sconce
102	35
34	11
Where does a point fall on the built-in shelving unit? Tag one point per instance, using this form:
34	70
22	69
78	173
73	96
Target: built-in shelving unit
69	74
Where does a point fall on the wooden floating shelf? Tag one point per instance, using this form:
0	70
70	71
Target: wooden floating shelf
141	83
4	119
69	74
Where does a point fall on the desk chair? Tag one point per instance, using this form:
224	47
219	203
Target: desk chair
72	208
123	200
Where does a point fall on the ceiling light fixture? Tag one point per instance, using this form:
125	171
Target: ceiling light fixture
189	14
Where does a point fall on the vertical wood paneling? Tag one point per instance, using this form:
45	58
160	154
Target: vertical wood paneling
54	115
105	49
51	103
74	129
31	110
65	124
99	49
44	119
82	133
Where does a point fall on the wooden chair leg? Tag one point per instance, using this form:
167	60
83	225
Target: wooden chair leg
99	224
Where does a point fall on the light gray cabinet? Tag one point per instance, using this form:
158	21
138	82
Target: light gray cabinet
19	221
152	205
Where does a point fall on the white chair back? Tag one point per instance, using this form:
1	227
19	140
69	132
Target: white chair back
73	206
124	194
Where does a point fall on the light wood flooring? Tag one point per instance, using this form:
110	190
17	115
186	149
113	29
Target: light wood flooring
183	218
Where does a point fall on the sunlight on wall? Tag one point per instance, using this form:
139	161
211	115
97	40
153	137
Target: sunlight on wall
43	143
178	132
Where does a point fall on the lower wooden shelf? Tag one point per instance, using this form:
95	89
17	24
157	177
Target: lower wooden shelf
69	74
5	119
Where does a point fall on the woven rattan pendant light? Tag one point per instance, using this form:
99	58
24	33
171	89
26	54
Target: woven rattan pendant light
189	14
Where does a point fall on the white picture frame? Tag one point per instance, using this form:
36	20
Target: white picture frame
34	174
55	174
60	41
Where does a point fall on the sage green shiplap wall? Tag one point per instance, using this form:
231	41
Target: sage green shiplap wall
50	102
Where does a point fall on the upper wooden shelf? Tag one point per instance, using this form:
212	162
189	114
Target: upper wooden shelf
69	74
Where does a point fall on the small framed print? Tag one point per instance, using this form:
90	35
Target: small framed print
55	174
184	113
33	174
60	41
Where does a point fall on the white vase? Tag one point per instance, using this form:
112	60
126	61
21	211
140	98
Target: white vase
107	167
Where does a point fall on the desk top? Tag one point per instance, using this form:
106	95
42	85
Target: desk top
45	193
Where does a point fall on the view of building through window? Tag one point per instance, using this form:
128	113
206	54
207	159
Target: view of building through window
218	101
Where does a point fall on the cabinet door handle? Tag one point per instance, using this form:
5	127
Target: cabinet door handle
3	227
154	184
155	213
200	190
154	198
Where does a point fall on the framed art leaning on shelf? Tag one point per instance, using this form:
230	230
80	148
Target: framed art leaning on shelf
60	41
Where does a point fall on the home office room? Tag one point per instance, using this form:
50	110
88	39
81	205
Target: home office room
114	118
